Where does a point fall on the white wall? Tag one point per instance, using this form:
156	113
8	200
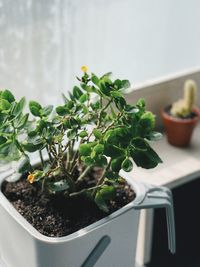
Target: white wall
43	43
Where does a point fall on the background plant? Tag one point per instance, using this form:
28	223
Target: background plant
117	136
183	107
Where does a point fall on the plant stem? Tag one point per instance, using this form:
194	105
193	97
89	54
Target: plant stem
84	173
101	179
15	139
84	190
49	154
71	182
74	167
112	123
68	155
41	158
103	109
74	161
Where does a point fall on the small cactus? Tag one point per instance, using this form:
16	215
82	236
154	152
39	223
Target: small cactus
183	107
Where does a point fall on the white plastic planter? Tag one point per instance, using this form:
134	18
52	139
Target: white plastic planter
110	242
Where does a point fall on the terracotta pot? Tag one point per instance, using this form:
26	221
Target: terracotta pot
179	131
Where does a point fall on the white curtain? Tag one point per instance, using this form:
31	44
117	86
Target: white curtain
35	47
43	43
40	41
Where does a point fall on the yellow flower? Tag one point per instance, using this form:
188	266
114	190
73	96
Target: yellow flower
84	68
31	178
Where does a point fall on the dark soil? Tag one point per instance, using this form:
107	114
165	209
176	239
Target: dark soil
57	215
190	116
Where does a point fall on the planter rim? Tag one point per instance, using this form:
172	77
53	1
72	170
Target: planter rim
196	110
136	186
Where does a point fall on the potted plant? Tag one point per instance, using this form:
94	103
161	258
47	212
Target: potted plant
72	207
181	117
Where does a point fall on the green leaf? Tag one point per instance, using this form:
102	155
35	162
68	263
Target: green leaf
19	107
99	148
93	154
83	98
125	84
61	110
2	140
107	192
88	160
96	105
83	134
21	123
118	84
146	159
73	122
85	149
77	93
154	136
69	105
131	109
120	103
118	136
116	94
71	97
139	144
35	111
116	163
46	111
101	203
95	79
97	134
30	147
9	151
7	95
147	120
35	108
101	161
113	151
59	186
127	165
141	103
38	175
4	104
86	87
106	75
104	89
72	134
32	133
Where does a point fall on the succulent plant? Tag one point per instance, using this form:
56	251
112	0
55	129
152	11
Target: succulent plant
183	107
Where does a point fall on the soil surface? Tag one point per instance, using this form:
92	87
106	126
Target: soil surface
57	215
190	116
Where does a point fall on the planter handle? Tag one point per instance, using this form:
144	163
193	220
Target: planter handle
160	197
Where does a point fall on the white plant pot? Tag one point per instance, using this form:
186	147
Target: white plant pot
110	242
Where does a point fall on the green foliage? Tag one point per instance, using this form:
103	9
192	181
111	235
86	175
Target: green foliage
7	95
81	134
106	193
35	108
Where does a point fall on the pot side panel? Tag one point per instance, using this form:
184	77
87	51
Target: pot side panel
20	248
